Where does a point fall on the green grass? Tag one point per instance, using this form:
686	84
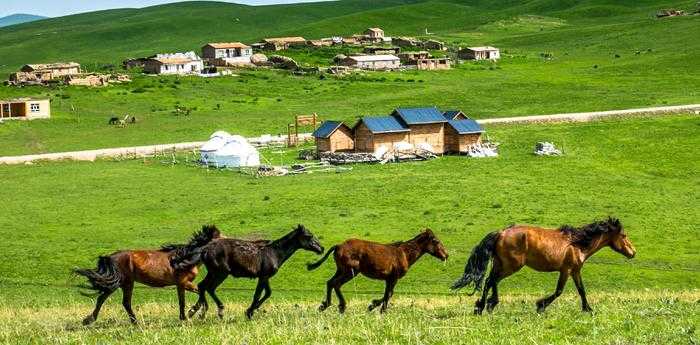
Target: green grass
656	66
57	216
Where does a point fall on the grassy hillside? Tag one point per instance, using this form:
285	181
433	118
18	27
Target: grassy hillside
563	56
64	215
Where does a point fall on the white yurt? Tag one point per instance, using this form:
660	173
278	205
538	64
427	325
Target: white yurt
224	150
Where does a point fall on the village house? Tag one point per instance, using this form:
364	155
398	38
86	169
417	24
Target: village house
426	125
373	62
372	132
224	54
177	63
43	73
444	132
432	64
375	34
382	50
283	43
25	109
405	42
324	42
408	57
479	53
334	136
433	45
461	134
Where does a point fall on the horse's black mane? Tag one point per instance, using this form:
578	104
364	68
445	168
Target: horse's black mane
199	239
583	236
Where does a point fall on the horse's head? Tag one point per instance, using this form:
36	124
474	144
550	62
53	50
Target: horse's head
618	238
433	246
307	240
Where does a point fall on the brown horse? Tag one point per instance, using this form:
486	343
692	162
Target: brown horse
388	262
150	267
562	250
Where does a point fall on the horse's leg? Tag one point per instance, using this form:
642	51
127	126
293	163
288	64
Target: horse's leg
268	293
329	286
388	292
181	300
127	292
543	303
497	274
256	297
576	275
202	301
100	300
216	281
481	302
346	277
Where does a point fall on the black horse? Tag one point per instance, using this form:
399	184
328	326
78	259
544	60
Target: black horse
248	259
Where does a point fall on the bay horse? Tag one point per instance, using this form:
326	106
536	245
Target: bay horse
388	262
246	259
150	267
562	250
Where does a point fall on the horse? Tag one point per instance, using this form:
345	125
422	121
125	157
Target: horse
388	262
562	250
150	267
243	259
113	121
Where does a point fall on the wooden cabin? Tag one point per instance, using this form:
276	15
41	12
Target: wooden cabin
371	133
455	115
334	136
426	126
25	109
461	134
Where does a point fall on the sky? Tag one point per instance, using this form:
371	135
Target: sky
57	8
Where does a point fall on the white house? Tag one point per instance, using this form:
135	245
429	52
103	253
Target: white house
232	53
177	63
373	62
479	53
25	109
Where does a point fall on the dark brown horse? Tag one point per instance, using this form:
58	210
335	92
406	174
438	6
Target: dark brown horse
562	250
150	267
388	262
247	259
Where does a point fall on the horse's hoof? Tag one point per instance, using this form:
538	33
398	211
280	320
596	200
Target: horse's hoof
88	320
587	309
341	309
191	313
220	313
322	307
249	314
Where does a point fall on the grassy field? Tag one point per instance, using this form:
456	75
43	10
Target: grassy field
656	66
57	216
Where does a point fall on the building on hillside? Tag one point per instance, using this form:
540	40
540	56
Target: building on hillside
283	43
479	53
432	64
136	62
381	50
433	45
52	70
373	62
25	109
334	136
408	57
405	42
455	115
375	34
177	63
461	134
224	54
373	132
324	42
426	125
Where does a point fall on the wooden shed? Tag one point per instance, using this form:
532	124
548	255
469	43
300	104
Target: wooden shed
334	136
461	134
371	133
426	125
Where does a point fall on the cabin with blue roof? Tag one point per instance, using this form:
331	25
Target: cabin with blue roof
426	124
372	132
461	134
334	136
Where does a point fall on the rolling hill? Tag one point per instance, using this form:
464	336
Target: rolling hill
112	35
19	18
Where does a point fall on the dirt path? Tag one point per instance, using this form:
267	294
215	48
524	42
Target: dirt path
142	151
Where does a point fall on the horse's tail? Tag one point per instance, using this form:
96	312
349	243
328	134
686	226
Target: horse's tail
318	263
191	254
475	270
105	278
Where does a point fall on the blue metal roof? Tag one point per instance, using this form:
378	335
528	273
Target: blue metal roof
466	126
450	114
327	128
384	124
417	116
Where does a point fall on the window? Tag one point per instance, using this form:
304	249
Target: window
34	107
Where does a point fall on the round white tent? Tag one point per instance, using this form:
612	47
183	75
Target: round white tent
229	151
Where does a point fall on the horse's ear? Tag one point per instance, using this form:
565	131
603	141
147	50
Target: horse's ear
428	231
299	227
